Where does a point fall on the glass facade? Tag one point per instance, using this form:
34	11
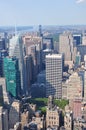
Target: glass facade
12	75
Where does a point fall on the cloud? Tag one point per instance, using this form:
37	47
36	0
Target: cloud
80	1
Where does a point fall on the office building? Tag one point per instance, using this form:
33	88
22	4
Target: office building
14	113
3	119
4	91
2	44
48	43
53	115
3	53
12	75
41	78
24	118
84	39
82	49
85	77
66	46
77	104
28	63
74	86
44	53
54	75
77	39
38	120
78	60
16	49
68	119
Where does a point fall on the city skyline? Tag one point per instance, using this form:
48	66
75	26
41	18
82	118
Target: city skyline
45	12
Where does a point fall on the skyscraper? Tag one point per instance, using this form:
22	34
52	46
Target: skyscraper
12	75
28	72
16	49
54	75
74	86
3	119
66	46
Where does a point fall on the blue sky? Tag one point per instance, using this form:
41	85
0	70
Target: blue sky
44	12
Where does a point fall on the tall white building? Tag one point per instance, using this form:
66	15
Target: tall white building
16	48
54	75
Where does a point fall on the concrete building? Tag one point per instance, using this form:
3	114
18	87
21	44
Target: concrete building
24	118
5	94
64	90
85	77
14	112
44	53
84	39
54	75
53	115
79	124
3	119
38	120
31	40
77	104
74	86
68	119
66	45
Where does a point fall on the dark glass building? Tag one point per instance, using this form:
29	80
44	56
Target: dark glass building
12	75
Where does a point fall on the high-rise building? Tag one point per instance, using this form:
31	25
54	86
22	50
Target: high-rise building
53	115
16	49
14	113
3	119
66	45
78	59
68	118
3	53
4	92
48	43
54	75
28	72
2	44
74	86
84	39
77	103
82	49
77	39
85	78
24	118
12	75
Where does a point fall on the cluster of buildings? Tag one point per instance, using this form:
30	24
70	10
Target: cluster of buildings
30	66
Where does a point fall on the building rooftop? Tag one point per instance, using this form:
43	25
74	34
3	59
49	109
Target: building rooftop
54	56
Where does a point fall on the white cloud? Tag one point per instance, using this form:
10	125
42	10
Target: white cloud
80	1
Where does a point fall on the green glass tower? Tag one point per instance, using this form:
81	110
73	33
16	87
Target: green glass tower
12	75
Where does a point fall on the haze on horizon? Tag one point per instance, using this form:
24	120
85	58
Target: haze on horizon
45	12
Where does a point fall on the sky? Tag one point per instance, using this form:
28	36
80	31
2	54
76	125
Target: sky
44	12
